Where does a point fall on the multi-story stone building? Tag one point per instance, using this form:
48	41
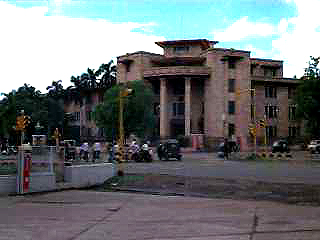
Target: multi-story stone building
82	126
216	92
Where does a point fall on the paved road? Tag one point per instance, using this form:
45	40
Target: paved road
296	170
77	215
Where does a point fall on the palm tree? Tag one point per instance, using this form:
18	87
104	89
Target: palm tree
88	80
56	89
108	72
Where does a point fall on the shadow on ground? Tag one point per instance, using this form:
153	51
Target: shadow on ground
300	194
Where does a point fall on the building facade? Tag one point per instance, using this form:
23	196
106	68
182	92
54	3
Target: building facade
81	124
214	92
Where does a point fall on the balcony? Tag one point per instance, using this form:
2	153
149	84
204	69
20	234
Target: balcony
279	80
177	70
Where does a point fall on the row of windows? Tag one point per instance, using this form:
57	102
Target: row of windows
271	111
271	131
267	72
270	91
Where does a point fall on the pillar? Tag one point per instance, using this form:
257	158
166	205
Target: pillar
163	108
187	102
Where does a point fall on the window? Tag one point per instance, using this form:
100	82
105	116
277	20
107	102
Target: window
178	109
231	85
232	63
181	49
231	129
291	92
271	131
252	111
294	132
270	92
271	111
202	108
274	72
77	116
89	115
231	107
292	113
252	69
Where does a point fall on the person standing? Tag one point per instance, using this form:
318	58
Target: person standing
85	149
226	149
97	150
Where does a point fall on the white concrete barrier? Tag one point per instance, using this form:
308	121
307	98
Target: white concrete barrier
8	184
41	182
88	175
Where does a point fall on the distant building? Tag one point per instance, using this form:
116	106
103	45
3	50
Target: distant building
80	114
204	90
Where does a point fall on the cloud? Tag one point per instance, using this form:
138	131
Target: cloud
294	39
298	38
37	49
257	53
242	29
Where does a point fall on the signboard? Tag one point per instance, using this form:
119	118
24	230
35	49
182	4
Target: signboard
27	158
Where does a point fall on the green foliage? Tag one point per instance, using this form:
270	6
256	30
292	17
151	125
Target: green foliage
308	98
138	117
184	141
48	109
33	103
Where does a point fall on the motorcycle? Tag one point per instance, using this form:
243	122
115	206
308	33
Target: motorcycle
145	154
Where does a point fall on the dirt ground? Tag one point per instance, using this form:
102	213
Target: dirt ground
299	194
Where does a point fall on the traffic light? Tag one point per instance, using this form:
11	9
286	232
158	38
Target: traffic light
20	123
252	129
26	121
262	123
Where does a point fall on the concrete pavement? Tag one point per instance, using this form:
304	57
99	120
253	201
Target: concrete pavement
75	215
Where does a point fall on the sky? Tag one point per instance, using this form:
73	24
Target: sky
49	40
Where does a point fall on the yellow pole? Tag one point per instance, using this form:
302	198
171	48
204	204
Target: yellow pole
121	133
254	120
265	135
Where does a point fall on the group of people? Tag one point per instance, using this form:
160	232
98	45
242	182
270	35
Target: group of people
85	149
132	152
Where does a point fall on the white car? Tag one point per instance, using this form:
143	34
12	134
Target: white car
314	145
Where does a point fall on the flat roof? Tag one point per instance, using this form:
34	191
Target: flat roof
205	43
264	60
139	52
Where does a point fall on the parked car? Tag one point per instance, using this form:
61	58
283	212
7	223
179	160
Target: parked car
232	147
169	149
280	146
314	146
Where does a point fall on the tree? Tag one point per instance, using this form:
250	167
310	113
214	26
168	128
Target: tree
137	115
55	106
33	103
108	75
88	80
7	114
308	98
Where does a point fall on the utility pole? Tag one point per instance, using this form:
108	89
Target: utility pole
124	92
